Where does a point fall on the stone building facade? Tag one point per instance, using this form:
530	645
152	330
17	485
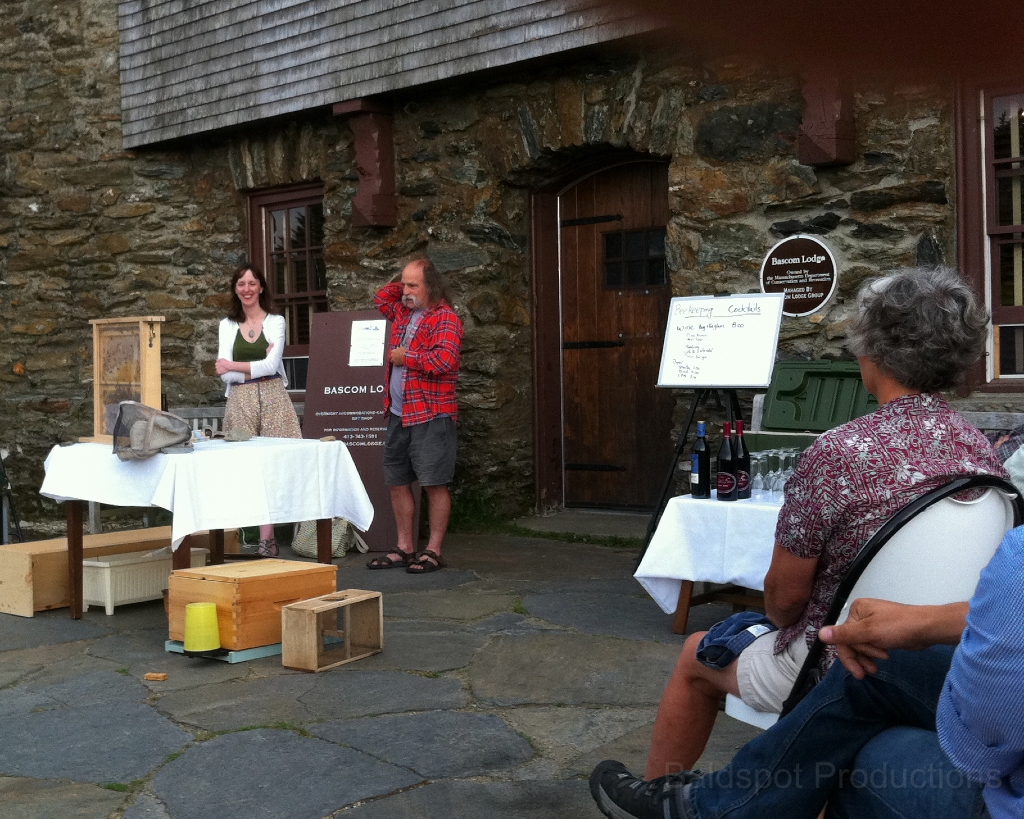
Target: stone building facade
89	230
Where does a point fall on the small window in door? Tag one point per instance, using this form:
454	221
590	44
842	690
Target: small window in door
634	258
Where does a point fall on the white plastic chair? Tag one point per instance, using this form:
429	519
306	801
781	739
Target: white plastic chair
931	552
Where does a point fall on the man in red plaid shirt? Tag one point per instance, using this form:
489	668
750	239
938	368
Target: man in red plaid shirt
422	370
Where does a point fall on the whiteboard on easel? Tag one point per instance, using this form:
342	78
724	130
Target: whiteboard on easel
721	341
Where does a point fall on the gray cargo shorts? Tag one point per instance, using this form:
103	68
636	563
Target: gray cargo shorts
421	452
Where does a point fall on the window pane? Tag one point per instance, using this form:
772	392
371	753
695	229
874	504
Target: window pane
656	243
1011	275
297	227
302	322
319	272
316	225
613	274
1009	199
277	230
296	369
1011	350
1006	122
636	273
280	274
613	245
656	272
299	266
636	245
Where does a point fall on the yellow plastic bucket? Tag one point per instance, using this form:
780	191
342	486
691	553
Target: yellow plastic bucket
201	632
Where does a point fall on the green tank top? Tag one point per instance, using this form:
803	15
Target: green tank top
249	350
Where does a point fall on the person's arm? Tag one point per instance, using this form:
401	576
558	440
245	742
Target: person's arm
876	626
442	349
787	586
226	367
274	330
388	299
980	717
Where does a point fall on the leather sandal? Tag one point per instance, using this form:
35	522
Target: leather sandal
388	561
426	561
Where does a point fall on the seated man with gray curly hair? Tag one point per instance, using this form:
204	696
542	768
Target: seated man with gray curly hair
916	334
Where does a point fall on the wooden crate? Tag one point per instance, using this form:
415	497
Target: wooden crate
249	597
307	625
34	575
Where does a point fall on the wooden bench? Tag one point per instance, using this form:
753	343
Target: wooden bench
34	575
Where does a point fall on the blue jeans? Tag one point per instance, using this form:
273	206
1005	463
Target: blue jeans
867	748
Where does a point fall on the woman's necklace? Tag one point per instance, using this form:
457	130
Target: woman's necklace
255	329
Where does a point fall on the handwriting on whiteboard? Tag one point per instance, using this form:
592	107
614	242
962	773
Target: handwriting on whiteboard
727	341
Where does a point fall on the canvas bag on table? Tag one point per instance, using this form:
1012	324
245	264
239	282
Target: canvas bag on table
343	537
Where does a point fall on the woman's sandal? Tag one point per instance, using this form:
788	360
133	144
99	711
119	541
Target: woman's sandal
387	561
427	561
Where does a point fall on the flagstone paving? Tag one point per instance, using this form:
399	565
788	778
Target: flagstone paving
505	678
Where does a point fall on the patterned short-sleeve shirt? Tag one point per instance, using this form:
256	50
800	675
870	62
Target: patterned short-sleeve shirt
856	476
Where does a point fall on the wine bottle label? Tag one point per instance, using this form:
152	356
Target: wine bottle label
742	480
694	469
726	483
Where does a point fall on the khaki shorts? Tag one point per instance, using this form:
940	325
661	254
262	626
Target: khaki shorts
766	678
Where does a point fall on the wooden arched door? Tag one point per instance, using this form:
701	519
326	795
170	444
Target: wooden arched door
615	295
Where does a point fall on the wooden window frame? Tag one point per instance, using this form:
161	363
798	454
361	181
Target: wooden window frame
258	206
977	221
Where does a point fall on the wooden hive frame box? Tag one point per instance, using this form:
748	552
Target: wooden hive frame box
306	625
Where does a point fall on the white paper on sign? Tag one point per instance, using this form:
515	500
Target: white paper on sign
367	348
721	341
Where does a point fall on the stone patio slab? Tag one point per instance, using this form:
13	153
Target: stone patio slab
632	617
109	742
480	800
55	799
434	744
452	605
269	774
303	698
605	670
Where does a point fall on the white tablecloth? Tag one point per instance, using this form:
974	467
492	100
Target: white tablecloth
220	485
708	540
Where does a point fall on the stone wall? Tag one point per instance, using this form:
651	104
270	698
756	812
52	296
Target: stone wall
88	230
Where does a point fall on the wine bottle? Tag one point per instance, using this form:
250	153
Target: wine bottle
700	464
742	457
726	483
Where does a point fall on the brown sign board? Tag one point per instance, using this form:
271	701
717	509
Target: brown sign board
803	269
345	398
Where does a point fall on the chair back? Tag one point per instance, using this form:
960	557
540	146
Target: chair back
931	552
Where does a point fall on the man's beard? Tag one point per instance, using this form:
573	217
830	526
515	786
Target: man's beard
412	302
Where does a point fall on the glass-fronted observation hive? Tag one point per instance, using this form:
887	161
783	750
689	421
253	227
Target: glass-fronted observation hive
126	367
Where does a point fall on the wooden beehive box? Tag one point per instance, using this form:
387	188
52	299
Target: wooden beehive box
332	630
249	597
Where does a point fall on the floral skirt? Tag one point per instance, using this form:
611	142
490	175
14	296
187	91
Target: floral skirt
263	408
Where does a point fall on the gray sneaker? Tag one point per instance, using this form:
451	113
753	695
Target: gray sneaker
620	795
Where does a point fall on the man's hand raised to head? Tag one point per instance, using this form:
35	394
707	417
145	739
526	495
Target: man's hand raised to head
876	626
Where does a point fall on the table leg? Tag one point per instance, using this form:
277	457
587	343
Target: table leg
683	607
75	514
182	558
323	541
216	547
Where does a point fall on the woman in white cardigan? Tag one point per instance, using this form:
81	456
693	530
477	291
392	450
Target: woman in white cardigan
250	362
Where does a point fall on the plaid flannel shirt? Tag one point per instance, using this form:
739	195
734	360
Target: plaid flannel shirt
431	359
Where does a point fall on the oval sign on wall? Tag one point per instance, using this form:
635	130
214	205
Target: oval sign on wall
804	270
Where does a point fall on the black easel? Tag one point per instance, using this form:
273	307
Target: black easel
732	411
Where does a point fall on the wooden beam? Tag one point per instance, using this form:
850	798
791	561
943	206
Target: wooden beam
828	134
376	202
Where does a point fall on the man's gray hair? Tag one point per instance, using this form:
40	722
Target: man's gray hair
922	326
